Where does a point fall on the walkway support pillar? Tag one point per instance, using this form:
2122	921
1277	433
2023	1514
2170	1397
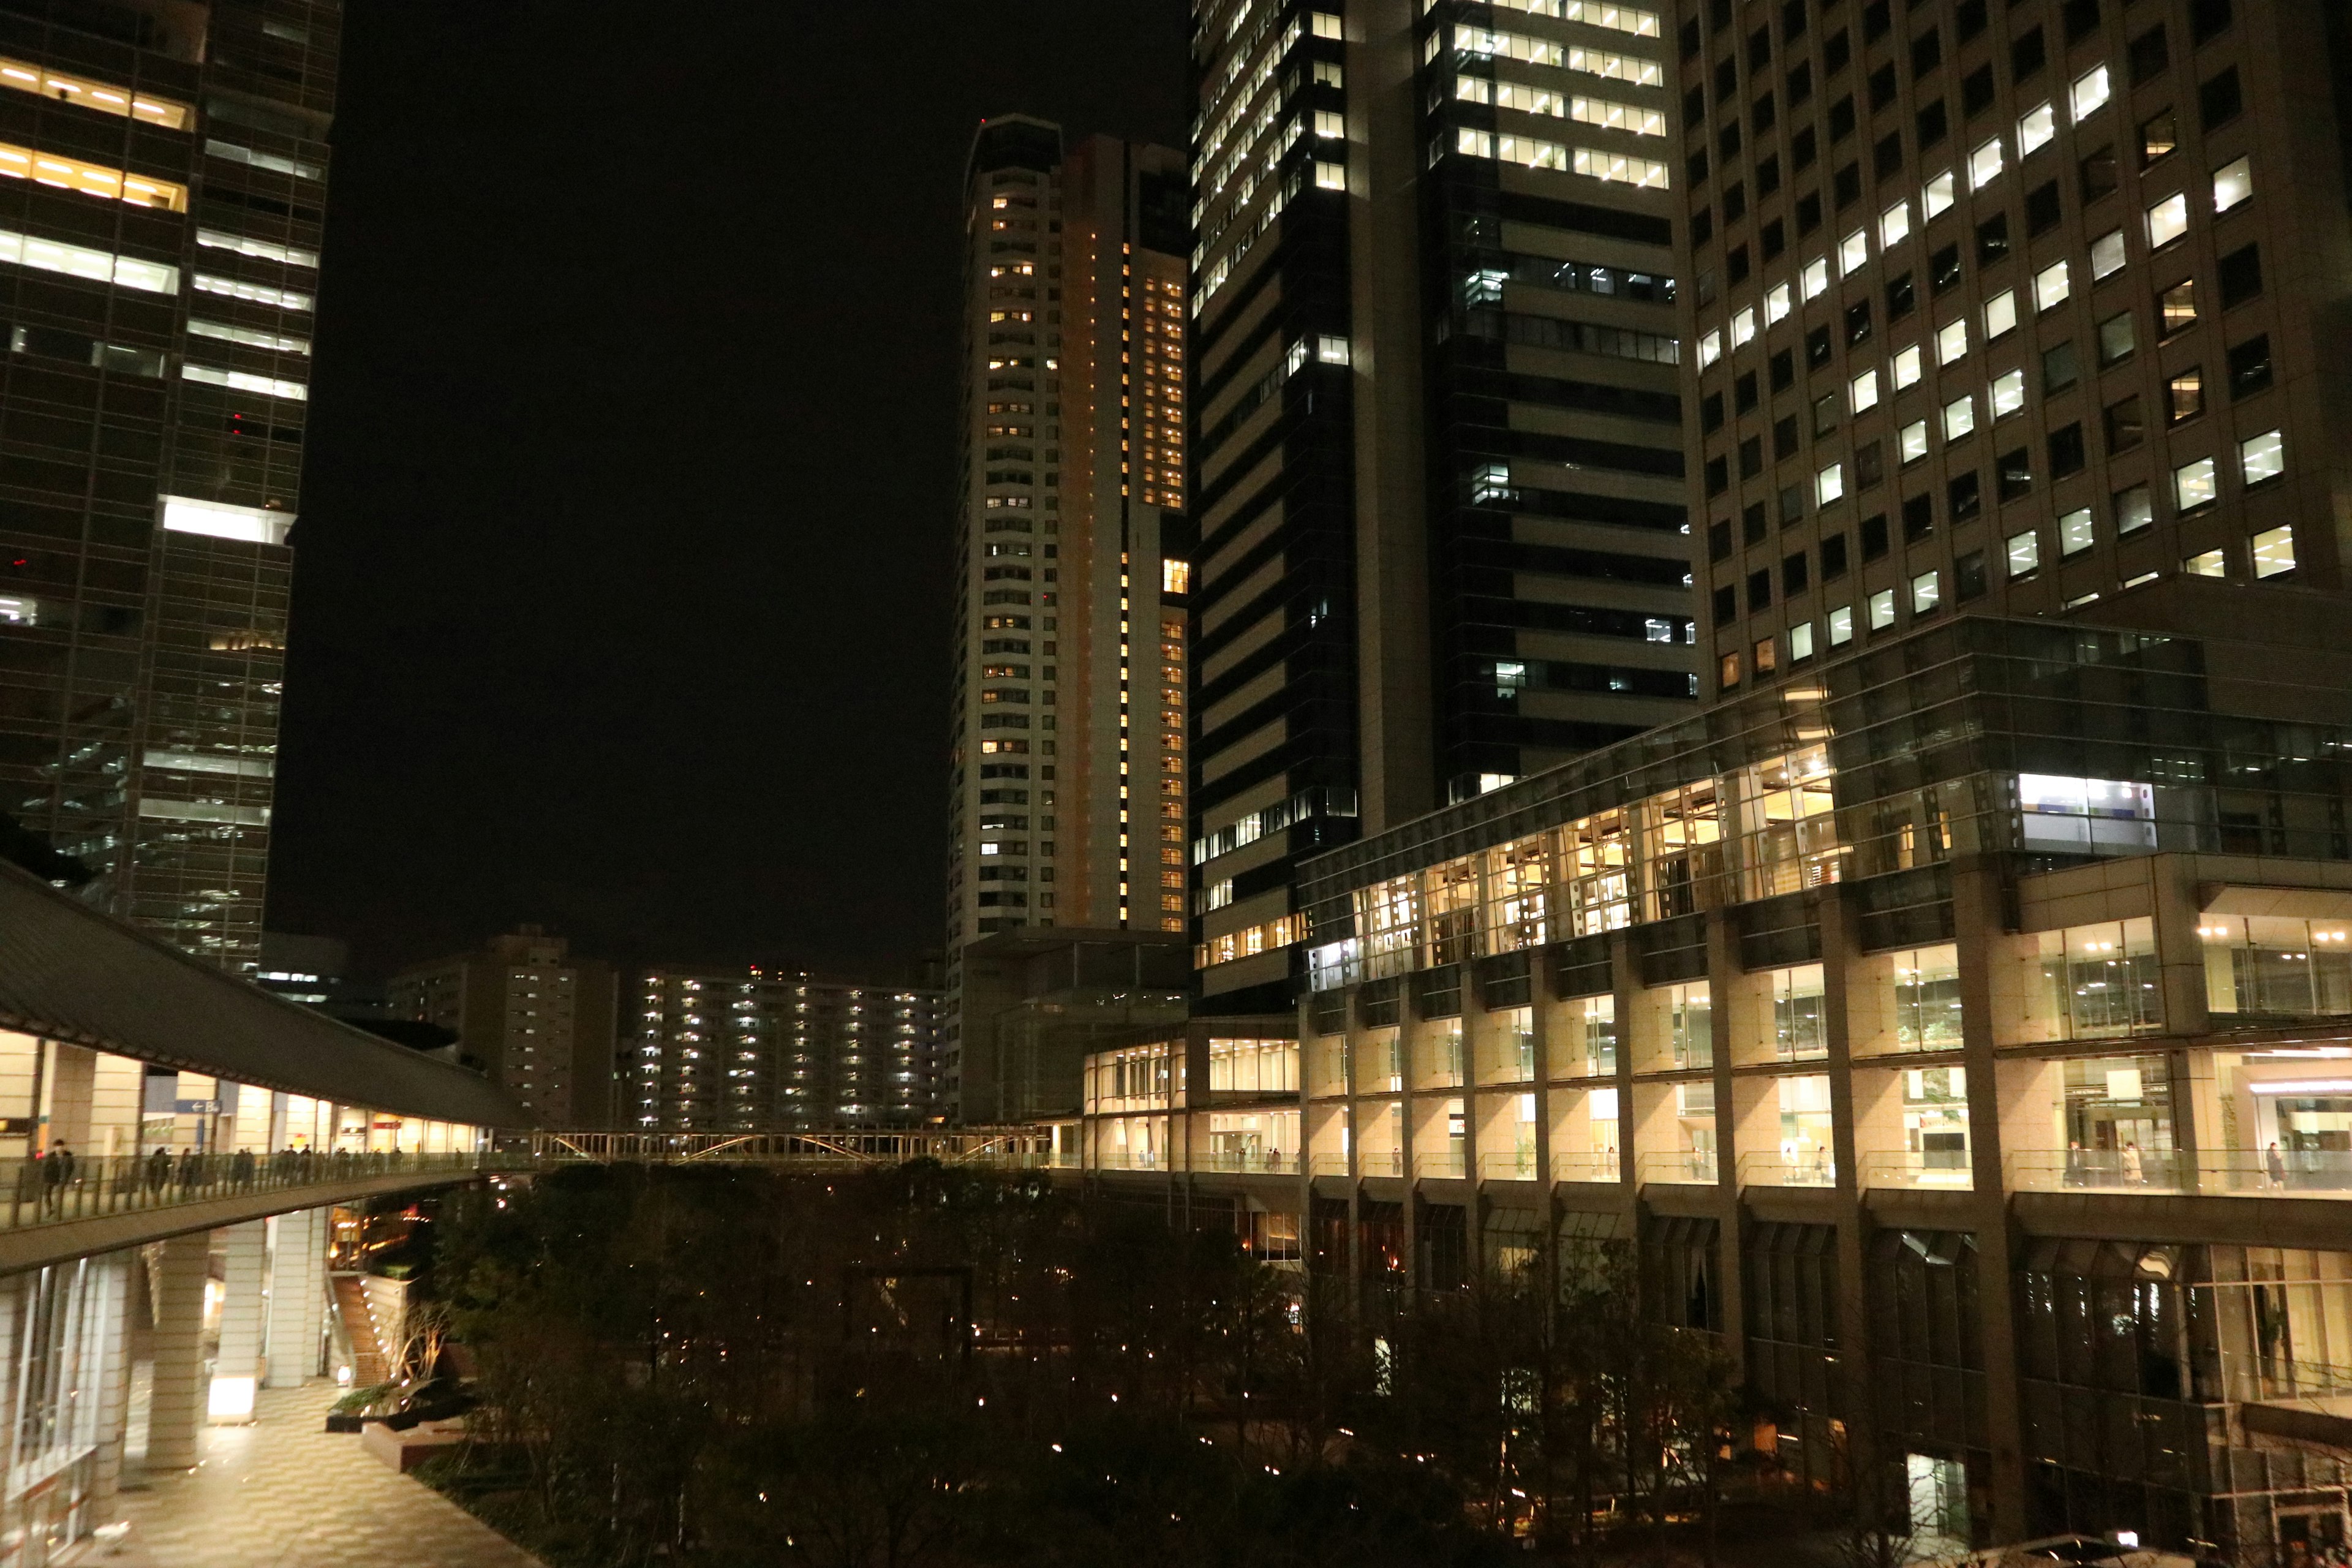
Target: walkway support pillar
113	1416
236	1370
297	1291
176	1406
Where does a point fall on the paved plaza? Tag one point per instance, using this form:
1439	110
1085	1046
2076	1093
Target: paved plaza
286	1493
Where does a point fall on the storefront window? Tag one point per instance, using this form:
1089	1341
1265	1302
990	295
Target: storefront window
1800	1019
1805	1139
2094	982
2298	968
1936	1119
1690	1016
1927	998
1593	1040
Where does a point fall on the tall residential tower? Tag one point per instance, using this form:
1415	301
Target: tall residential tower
1068	743
1438	435
162	178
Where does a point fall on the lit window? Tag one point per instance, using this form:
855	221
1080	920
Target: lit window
1801	642
1907	367
2034	130
2089	91
2261	457
229	151
243	381
2107	255
2168	220
1777	305
1854	252
1767	658
91	179
1937	196
1841	626
1959	417
2194	485
2232	183
1911	441
1330	176
2075	534
1816	279
1743	328
1727	671
218	519
1710	349
1330	123
1175	577
2001	314
1895	224
2205	563
2273	552
1829	485
1865	391
1327	25
1882	609
98	266
247	244
1951	340
2050	287
1985	164
2008	393
2024	552
91	94
1926	593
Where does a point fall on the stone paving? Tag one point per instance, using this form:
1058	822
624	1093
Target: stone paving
286	1493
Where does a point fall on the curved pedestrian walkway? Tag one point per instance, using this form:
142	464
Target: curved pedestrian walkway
286	1493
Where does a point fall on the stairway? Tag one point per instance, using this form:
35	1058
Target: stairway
369	1363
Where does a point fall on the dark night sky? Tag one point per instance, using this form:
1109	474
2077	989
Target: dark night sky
621	584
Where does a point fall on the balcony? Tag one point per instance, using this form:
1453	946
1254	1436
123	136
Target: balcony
1807	1168
2236	1172
1939	1170
1513	1165
1689	1167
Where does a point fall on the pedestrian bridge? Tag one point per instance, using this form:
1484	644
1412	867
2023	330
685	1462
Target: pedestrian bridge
816	1150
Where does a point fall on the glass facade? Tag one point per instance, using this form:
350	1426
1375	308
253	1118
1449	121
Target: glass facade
160	303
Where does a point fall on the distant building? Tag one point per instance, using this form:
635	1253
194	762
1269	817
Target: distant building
1067	737
537	1020
746	1051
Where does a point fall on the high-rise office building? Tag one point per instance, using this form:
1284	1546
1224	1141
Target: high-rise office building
2029	308
1437	429
760	1050
1067	742
162	172
534	1017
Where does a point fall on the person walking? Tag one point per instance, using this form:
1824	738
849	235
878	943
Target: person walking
56	1165
2276	1161
2131	1165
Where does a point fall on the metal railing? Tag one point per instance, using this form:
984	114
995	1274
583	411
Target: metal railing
1441	1164
58	1187
1380	1163
1592	1165
1816	1168
1940	1171
2302	1174
1246	1162
1512	1166
843	1147
1691	1167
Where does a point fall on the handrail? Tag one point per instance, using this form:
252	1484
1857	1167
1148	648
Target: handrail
58	1187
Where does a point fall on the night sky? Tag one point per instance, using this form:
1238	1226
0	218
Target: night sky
622	587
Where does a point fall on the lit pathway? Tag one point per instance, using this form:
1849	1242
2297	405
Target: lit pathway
286	1493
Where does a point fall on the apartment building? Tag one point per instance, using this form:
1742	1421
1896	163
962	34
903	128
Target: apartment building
1437	429
163	182
762	1050
2024	308
1067	749
534	1017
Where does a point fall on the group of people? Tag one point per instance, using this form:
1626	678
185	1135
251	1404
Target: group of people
52	1176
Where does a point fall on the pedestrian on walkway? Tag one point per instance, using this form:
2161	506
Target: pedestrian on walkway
2131	1165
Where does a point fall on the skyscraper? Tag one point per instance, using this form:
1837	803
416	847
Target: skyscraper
2033	307
1437	428
537	1019
163	169
761	1050
1067	740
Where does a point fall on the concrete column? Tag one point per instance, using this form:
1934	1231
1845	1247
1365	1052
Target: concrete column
177	1404
1977	925
1851	1393
73	1071
297	1298
112	1360
1725	989
236	1369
